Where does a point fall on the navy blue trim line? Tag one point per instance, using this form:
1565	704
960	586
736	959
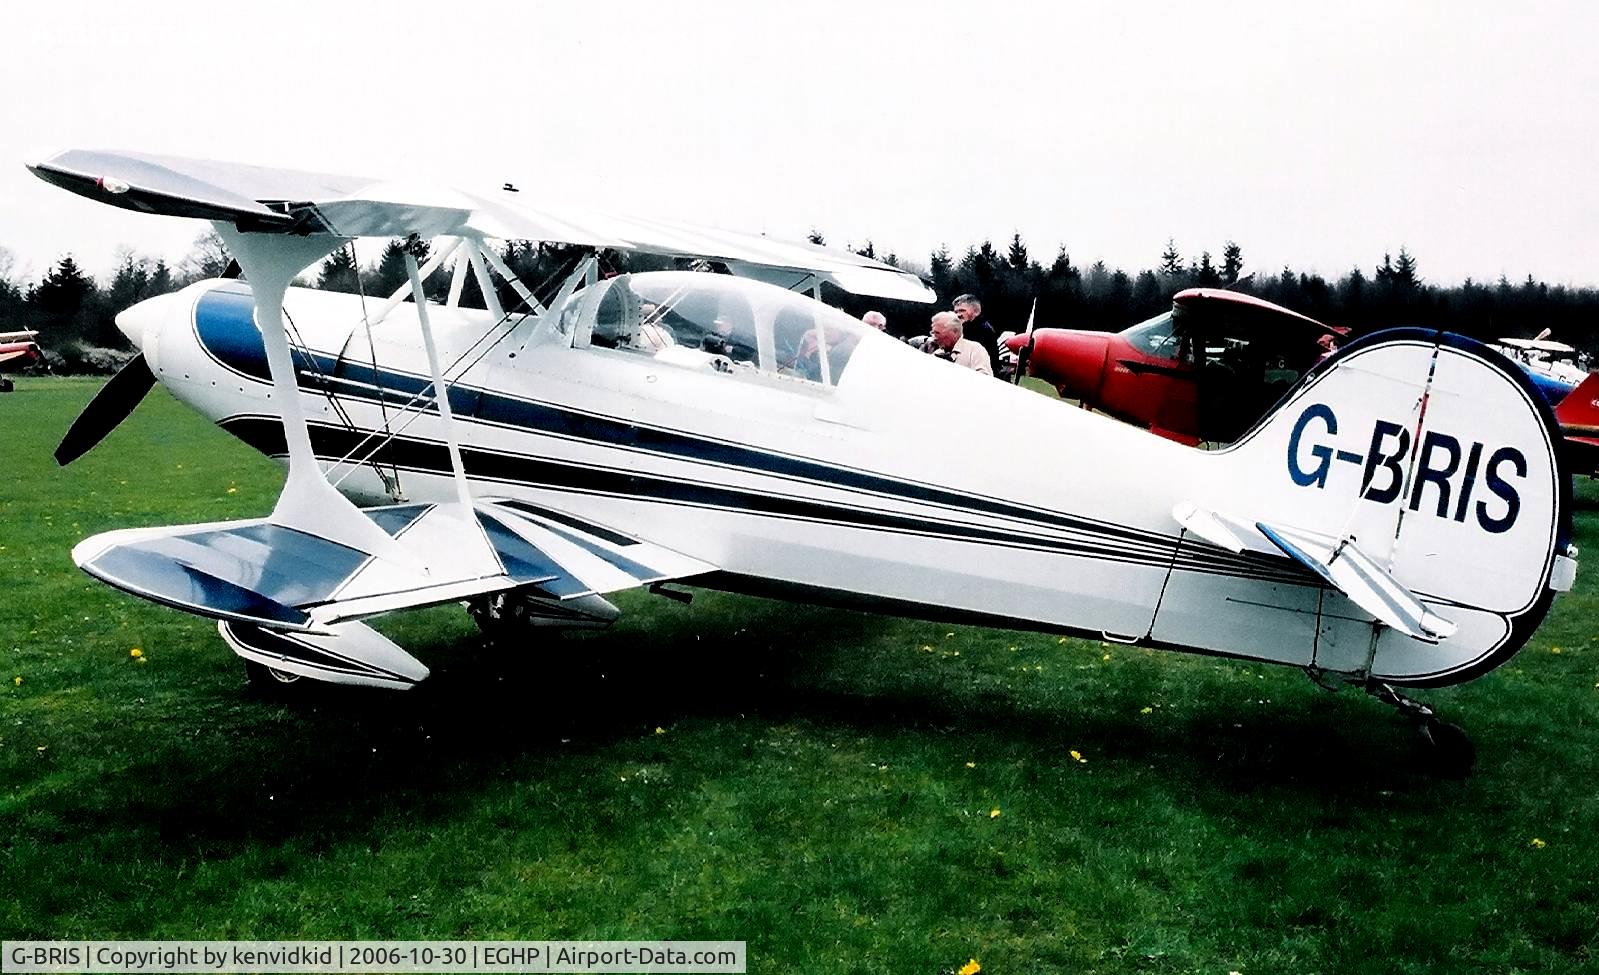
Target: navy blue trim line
266	435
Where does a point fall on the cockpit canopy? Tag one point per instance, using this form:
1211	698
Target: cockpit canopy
716	322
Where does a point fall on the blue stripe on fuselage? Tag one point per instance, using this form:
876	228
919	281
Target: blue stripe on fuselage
226	329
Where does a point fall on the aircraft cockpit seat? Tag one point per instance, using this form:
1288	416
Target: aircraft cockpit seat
616	321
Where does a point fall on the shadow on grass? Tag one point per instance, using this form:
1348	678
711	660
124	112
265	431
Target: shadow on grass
325	767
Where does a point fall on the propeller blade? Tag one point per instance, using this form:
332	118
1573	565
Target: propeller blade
110	406
1025	353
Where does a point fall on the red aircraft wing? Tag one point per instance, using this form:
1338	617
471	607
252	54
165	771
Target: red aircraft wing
27	351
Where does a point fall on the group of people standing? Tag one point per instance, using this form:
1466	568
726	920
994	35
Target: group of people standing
961	335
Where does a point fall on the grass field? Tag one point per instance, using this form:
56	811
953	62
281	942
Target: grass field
847	793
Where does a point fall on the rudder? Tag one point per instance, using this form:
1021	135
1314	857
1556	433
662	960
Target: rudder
1437	458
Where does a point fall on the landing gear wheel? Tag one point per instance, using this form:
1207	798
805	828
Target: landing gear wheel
498	615
1449	747
269	676
276	685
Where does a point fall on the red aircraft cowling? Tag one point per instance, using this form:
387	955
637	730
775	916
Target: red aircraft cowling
1578	416
1151	374
1071	360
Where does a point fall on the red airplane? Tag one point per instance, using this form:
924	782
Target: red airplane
16	346
1203	372
1578	415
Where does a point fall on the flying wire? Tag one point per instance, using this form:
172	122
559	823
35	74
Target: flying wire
389	433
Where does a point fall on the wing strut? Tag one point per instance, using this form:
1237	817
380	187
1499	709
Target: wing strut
441	392
432	265
510	277
485	284
308	502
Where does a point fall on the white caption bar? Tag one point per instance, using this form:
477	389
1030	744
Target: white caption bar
293	957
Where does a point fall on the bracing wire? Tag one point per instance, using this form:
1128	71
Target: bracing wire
430	395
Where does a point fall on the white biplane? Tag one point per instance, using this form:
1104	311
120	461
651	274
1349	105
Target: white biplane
1400	519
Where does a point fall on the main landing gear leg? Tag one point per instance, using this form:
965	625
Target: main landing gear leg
1448	745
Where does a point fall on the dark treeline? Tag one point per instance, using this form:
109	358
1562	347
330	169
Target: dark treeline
74	312
1393	292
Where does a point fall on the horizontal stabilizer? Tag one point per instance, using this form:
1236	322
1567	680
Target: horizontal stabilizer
1368	585
348	653
1338	562
1212	527
262	574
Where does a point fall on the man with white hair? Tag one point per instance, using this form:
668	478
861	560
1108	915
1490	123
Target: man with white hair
876	319
946	343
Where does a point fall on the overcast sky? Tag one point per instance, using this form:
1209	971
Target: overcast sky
1463	131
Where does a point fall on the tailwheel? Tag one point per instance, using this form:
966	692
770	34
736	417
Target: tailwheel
1449	747
1450	750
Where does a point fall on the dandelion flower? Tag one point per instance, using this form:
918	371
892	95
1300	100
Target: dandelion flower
970	968
993	813
1554	649
659	730
1077	756
1146	710
135	653
1105	657
971	764
1537	844
17	680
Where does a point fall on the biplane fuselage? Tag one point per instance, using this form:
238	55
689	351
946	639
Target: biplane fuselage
905	483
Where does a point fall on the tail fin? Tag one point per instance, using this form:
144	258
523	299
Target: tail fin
1438	459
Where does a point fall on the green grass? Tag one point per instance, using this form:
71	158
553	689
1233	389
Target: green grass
808	790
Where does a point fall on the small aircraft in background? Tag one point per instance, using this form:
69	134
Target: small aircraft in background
1206	371
1401	519
1555	367
17	349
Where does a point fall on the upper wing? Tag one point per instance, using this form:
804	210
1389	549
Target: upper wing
1239	304
290	201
